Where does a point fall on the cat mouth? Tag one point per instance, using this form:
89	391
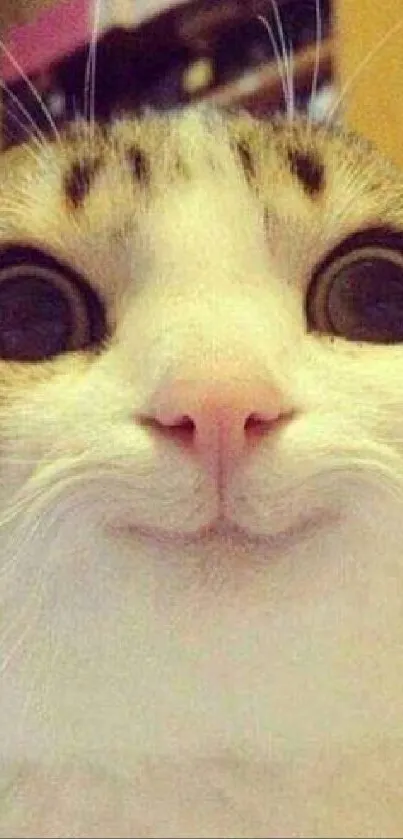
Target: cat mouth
297	530
223	529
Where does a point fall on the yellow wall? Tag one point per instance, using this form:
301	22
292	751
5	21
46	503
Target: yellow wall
374	104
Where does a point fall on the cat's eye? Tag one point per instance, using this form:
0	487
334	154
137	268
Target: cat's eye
357	292
45	307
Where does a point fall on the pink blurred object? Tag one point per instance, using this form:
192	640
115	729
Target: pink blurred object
61	29
56	32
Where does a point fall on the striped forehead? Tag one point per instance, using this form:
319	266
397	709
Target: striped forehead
179	148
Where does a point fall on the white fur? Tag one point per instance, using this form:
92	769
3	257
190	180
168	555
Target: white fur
161	679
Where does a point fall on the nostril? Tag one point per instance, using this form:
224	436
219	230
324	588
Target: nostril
256	422
180	428
184	422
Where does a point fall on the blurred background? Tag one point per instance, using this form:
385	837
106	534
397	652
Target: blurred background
168	53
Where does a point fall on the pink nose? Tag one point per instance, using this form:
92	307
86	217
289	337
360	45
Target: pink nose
218	418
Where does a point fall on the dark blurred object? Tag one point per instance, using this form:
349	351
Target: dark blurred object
211	49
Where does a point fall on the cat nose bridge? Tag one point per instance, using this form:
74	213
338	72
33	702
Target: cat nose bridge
217	416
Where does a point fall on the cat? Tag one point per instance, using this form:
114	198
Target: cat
201	489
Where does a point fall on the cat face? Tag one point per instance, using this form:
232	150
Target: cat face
201	436
177	367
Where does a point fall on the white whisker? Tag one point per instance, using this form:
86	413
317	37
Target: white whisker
23	110
44	486
291	87
279	61
90	70
34	91
26	500
286	61
40	674
315	75
36	154
23	620
14	139
25	536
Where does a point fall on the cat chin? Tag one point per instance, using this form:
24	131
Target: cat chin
228	794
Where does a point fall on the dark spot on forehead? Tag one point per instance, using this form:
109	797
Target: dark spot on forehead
181	168
309	169
79	179
246	158
139	164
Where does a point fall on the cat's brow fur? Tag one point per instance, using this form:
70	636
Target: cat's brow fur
159	677
152	145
